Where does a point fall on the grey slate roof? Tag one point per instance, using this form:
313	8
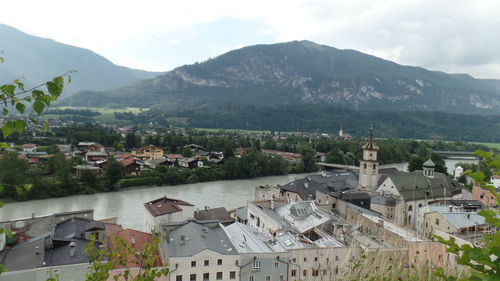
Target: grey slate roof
28	255
219	214
464	220
327	183
242	213
191	237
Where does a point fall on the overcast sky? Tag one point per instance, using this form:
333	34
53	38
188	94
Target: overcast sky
452	36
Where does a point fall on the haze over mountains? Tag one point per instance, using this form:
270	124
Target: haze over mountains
39	59
303	72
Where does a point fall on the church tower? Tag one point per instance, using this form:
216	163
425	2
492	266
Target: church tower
368	167
341	131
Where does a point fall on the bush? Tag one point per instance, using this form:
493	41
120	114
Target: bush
143	181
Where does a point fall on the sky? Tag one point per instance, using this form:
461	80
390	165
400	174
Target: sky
453	36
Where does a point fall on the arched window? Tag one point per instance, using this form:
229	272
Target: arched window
364	166
410	208
374	166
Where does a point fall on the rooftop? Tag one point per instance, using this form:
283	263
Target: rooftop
164	205
219	214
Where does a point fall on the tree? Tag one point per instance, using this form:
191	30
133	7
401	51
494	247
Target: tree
53	149
13	96
482	259
113	172
103	261
131	141
308	160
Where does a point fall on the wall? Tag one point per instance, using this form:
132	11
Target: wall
74	272
182	266
260	220
271	264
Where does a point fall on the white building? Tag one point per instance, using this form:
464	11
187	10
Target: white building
199	251
166	210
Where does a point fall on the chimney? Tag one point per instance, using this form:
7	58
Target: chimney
450	209
132	240
183	239
272	204
207	208
468	216
72	246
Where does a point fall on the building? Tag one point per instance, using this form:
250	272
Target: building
135	239
219	214
198	251
50	245
385	205
466	225
416	189
495	181
29	147
368	167
261	256
149	152
166	210
96	171
94	156
190	163
484	195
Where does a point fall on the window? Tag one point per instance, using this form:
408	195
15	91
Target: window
374	166
218	276
268	277
232	274
315	258
327	260
410	208
206	262
304	273
294	272
178	278
315	272
294	260
251	278
256	265
481	196
276	264
219	262
193	263
252	216
192	277
305	259
206	276
282	278
336	258
437	221
364	166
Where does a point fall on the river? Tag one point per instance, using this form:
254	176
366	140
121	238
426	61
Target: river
127	205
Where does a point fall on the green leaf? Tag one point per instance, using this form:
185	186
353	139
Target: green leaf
19	190
8	89
37	93
7	129
55	86
38	106
20	107
4	145
5	111
20	125
1	188
28	187
1	204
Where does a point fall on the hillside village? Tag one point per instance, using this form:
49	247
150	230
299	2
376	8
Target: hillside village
312	228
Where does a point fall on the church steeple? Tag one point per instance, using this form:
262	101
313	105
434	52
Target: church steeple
341	131
368	167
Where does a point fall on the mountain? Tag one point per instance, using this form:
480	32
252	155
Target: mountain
303	72
39	59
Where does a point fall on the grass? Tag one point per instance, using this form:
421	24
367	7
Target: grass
489	144
107	114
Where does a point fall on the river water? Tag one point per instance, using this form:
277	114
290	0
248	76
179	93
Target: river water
127	205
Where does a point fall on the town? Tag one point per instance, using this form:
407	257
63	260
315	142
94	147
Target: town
313	228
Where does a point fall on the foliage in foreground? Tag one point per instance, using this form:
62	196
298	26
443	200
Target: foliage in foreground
103	261
482	259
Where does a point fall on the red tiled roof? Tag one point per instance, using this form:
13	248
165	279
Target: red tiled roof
137	240
126	162
164	205
26	145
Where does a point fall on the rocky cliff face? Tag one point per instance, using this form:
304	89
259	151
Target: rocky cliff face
304	73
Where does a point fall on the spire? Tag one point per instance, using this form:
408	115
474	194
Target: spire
371	142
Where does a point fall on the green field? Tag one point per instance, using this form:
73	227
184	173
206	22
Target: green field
107	114
489	144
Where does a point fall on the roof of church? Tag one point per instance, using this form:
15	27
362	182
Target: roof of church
416	186
429	163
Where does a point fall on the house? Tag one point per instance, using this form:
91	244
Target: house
166	210
293	158
90	146
240	151
131	166
56	247
137	240
194	147
416	189
484	195
174	157
220	214
190	163
29	147
196	250
80	168
468	225
94	156
160	162
149	152
385	205
495	181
